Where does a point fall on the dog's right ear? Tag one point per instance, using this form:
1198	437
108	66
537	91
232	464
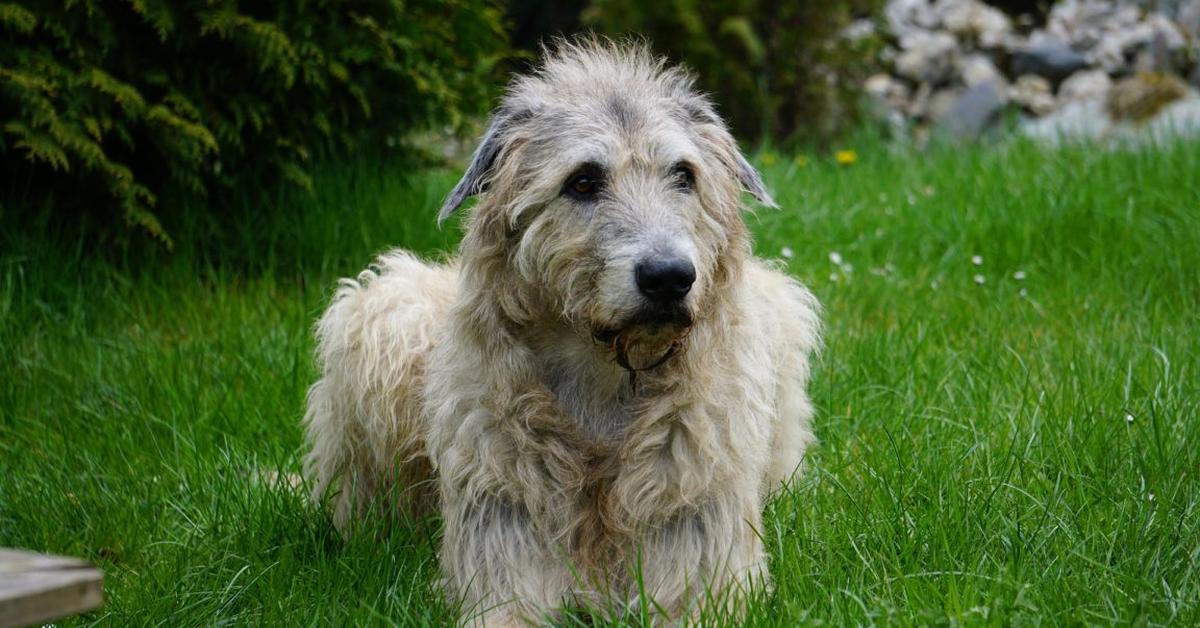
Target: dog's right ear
475	180
702	111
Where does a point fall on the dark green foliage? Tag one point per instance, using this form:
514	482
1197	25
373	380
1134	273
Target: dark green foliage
778	70
119	105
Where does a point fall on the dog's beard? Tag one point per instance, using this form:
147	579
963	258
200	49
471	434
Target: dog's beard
647	340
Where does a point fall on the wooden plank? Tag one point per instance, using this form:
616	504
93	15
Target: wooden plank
35	588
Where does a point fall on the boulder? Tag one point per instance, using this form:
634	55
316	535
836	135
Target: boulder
918	105
887	90
1178	119
1159	53
1090	120
859	30
1085	23
1155	41
1188	19
1080	120
1051	59
973	20
941	102
973	113
906	17
978	69
1085	85
927	57
1140	97
1034	93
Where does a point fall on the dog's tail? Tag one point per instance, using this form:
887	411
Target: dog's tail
365	423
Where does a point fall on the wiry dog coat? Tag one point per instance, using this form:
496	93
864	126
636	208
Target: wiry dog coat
602	389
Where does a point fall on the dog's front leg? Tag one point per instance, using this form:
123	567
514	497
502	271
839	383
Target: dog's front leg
709	556
504	573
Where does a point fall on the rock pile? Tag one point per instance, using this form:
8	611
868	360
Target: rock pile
1096	68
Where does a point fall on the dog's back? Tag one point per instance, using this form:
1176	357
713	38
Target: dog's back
364	414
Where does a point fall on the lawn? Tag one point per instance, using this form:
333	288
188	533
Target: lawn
1008	400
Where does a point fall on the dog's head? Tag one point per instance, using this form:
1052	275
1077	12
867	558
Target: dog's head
610	197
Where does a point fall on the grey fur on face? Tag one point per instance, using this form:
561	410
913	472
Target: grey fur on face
648	152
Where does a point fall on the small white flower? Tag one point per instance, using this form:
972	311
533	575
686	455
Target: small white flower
835	257
977	260
848	268
1129	418
1023	292
833	277
787	252
980	279
1149	497
1019	275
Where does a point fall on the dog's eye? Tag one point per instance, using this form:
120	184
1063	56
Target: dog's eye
683	178
584	184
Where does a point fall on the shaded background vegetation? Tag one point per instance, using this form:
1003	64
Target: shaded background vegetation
118	115
134	108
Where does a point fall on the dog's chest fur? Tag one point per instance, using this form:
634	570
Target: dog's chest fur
593	393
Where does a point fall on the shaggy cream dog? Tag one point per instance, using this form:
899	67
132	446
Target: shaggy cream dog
602	389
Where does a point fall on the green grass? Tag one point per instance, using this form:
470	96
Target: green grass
976	462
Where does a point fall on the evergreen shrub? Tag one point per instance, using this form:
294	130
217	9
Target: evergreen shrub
108	105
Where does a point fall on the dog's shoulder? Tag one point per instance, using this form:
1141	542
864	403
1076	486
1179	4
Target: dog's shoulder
398	299
781	306
397	280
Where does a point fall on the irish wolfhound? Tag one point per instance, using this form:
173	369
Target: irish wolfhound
605	385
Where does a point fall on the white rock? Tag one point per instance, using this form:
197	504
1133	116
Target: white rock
942	101
1188	17
1085	23
974	20
887	89
927	57
1180	119
1088	120
978	69
1033	93
859	30
905	17
1075	121
1085	85
1162	26
975	112
918	105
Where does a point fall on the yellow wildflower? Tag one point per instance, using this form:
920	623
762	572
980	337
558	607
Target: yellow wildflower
846	157
800	161
768	159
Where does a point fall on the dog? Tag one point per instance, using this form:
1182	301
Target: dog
602	389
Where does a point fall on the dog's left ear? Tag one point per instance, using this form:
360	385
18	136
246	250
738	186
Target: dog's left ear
752	181
714	129
483	162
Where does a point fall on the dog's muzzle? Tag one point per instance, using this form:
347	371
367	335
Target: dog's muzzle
649	340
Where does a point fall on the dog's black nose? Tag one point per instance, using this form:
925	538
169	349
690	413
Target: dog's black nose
665	280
